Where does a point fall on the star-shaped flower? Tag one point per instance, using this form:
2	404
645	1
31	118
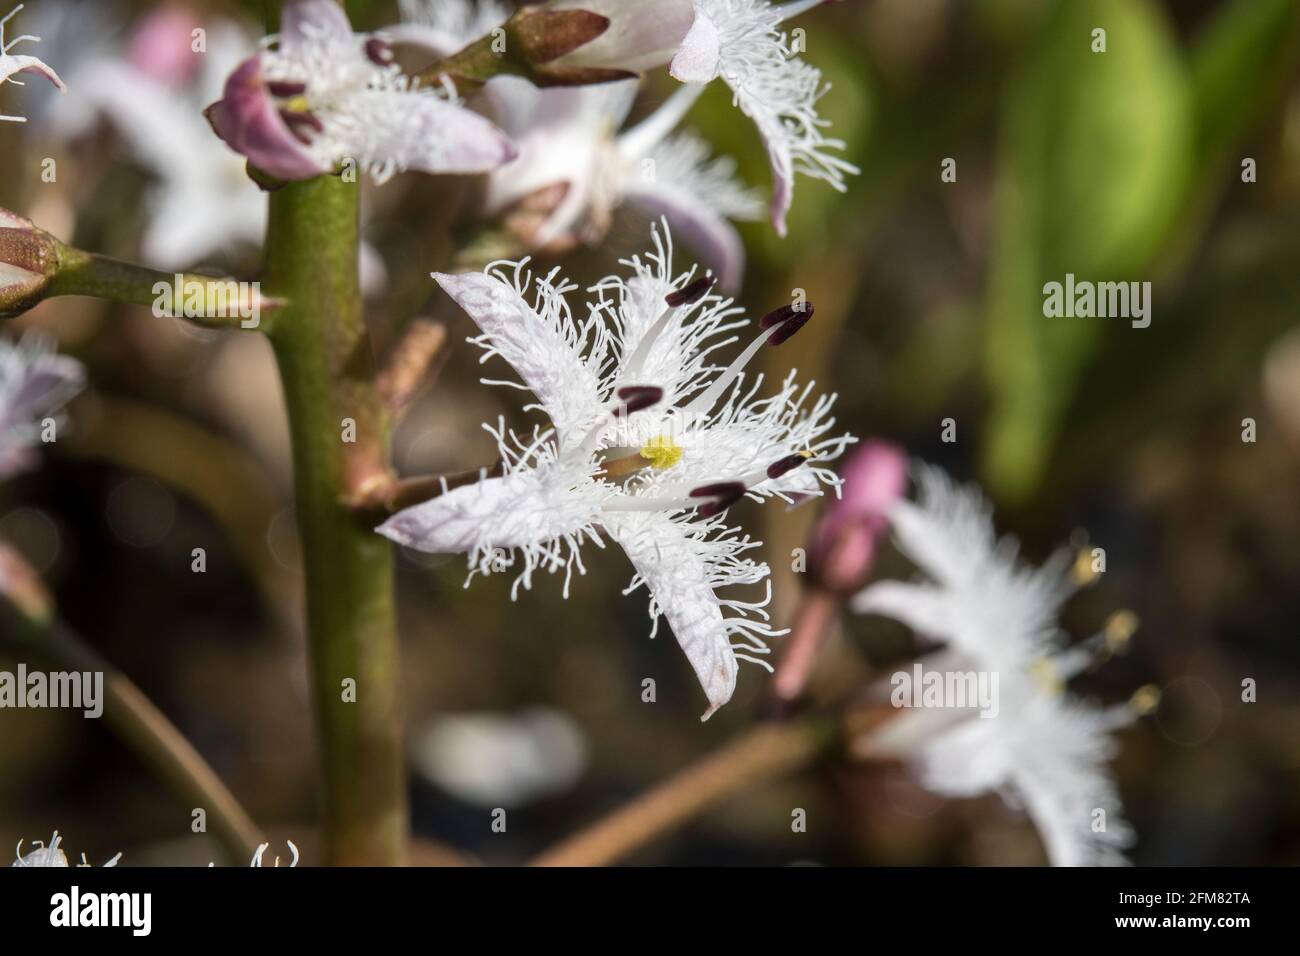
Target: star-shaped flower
11	64
649	444
1044	749
323	96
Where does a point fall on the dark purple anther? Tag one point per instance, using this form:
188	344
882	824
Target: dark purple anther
790	319
724	495
380	52
691	293
634	398
282	89
786	465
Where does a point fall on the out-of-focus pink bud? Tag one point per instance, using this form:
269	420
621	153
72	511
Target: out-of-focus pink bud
846	538
161	46
28	261
247	118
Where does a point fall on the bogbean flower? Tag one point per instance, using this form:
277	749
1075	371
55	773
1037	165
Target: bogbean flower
574	166
741	41
1044	749
35	383
321	96
11	64
649	444
574	169
49	854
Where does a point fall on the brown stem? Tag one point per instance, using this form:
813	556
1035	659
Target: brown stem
766	752
142	727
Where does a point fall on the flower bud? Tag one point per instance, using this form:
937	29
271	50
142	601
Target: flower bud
845	540
29	258
640	36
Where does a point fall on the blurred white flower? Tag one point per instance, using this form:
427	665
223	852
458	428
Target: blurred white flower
49	854
648	441
11	64
501	760
35	383
1045	750
569	144
201	202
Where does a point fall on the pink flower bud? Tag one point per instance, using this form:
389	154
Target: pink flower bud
161	46
846	538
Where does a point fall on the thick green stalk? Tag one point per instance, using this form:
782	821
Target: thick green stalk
339	435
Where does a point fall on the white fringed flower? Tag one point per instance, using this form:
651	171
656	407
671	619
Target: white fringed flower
11	64
742	42
49	854
35	383
1044	749
324	96
649	444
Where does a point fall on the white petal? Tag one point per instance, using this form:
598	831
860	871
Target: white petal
387	131
697	195
921	607
514	511
711	236
700	55
679	583
540	340
304	21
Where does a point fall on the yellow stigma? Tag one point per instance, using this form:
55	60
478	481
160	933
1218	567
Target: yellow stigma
1048	678
296	104
1145	699
1084	572
662	452
1120	627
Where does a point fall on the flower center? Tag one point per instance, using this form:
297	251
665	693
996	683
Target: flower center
662	452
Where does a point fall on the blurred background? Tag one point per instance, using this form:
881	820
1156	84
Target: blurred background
1125	165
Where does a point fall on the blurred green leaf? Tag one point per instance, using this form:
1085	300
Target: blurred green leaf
1239	63
1095	162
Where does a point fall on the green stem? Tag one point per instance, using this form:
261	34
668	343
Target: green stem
213	302
339	431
